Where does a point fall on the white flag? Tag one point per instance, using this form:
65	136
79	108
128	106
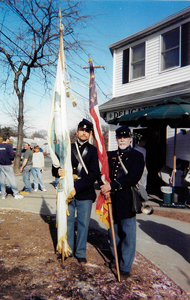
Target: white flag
60	151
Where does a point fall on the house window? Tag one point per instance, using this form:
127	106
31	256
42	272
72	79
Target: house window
175	52
176	47
125	66
185	44
137	61
170	49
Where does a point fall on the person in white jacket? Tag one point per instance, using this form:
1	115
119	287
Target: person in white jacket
141	148
37	168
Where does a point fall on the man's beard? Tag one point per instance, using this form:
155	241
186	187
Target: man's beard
122	146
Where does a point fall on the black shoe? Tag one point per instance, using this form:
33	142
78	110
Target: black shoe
82	261
59	256
110	264
124	275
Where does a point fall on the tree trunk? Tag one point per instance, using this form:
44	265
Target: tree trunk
20	135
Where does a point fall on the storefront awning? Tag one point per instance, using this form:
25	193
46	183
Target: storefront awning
147	97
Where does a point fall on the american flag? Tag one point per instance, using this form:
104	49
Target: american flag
101	206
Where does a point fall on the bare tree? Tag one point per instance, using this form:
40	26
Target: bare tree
31	43
40	134
73	135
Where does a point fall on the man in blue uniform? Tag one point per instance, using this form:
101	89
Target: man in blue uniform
86	171
125	167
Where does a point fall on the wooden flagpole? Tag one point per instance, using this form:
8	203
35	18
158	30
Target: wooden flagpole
61	28
110	210
113	238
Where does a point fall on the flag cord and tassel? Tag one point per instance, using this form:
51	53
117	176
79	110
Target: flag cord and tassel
73	99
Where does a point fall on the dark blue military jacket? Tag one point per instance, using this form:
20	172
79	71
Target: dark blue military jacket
121	183
84	186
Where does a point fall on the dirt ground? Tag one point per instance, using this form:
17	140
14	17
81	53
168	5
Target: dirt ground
30	268
176	215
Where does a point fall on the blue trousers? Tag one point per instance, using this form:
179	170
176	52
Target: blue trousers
125	235
83	210
26	178
7	172
56	182
37	175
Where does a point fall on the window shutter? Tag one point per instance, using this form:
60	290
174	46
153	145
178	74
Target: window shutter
185	45
125	66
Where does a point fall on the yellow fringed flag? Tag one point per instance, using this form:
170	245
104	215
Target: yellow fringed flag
60	150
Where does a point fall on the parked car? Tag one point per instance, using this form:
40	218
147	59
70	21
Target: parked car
14	151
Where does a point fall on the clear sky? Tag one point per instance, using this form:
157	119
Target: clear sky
112	21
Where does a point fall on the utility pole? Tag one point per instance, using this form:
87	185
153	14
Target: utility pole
95	67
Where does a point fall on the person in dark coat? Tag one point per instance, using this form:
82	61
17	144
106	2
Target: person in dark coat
85	174
6	168
126	166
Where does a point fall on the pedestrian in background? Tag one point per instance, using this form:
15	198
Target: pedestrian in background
6	168
141	148
26	169
54	172
38	168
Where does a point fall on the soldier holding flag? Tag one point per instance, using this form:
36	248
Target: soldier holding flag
82	162
125	168
85	172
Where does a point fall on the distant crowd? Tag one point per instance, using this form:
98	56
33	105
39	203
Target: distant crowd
33	162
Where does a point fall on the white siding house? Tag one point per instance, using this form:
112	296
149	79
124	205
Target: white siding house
150	66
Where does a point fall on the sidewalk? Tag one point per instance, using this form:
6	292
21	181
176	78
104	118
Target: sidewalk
37	202
165	242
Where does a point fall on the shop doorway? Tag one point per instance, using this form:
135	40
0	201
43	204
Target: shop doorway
155	155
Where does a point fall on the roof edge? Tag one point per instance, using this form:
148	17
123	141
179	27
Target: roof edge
183	14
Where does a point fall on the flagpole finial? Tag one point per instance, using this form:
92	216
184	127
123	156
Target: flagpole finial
89	58
61	26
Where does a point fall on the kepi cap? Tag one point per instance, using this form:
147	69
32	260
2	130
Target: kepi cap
123	131
85	124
